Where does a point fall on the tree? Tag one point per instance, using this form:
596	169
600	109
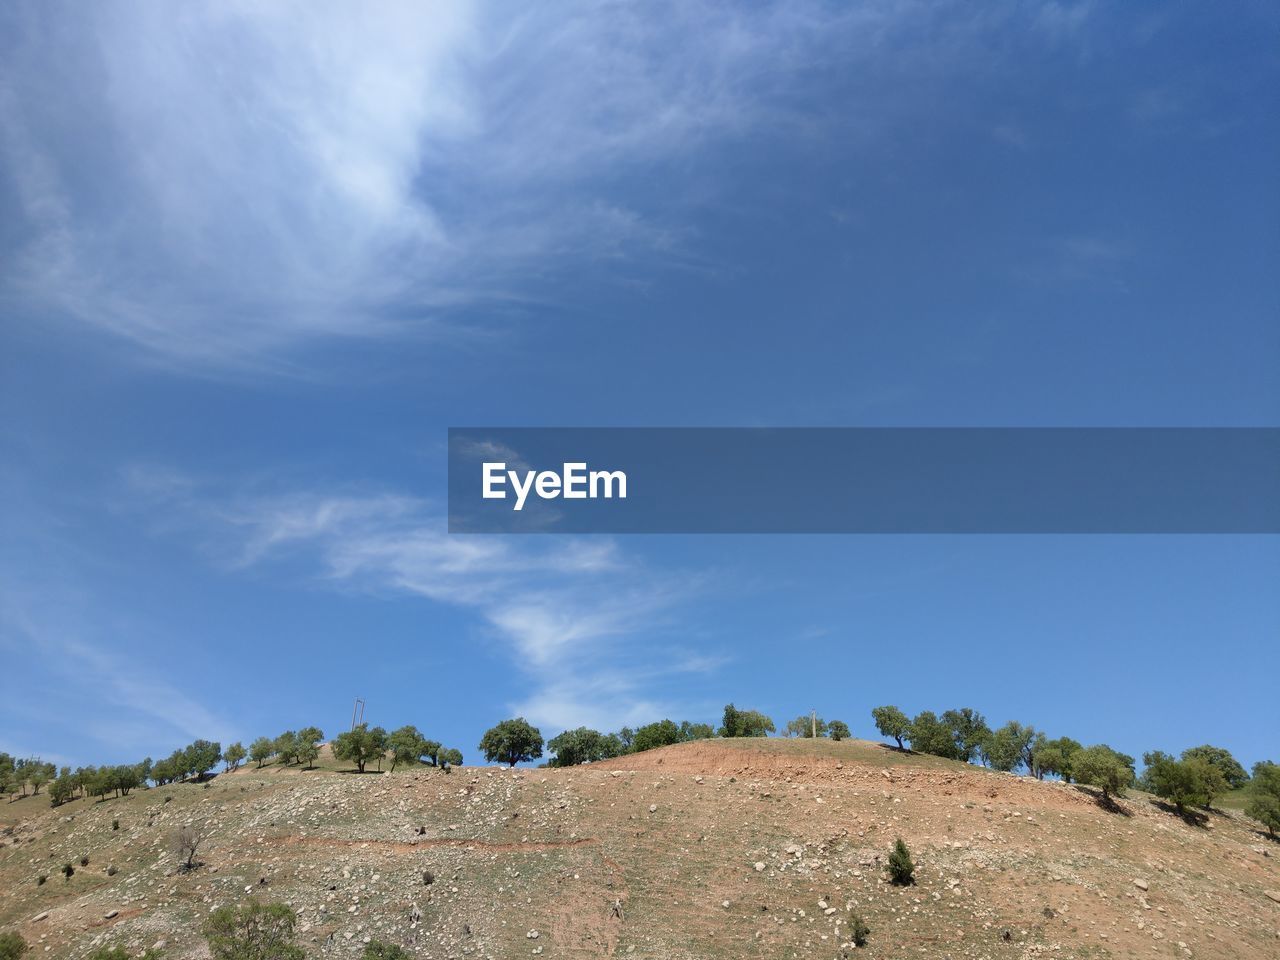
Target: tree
234	755
1010	747
286	747
582	745
61	790
1101	767
1233	773
38	774
803	725
653	735
12	946
745	723
1055	757
360	745
253	931
451	756
407	745
901	869
1264	804
261	750
690	731
839	730
1210	777
1178	781
186	841
891	722
969	731
930	735
201	757
512	742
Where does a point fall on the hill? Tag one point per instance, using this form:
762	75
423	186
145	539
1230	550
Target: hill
712	849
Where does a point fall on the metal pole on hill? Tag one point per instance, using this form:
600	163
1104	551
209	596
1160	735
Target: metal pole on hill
357	706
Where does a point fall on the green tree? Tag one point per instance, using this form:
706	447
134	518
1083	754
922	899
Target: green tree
1054	757
286	747
969	731
407	745
511	742
930	735
582	745
360	745
1101	767
1220	757
234	755
253	931
653	735
802	726
261	750
1010	747
1178	781
902	872
12	946
38	774
201	757
892	722
839	730
745	723
690	731
1213	783
451	756
61	790
1264	802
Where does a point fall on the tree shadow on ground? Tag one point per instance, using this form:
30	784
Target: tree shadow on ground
1193	818
894	748
1107	802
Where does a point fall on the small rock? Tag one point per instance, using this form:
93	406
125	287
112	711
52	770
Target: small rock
653	808
1273	894
759	866
1140	884
111	914
40	916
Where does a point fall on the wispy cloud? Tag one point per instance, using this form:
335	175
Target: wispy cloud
571	612
217	183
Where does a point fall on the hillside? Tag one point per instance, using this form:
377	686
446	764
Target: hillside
714	849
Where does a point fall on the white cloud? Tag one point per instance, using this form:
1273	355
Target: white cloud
577	618
218	183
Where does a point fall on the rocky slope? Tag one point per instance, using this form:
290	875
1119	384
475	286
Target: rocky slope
713	849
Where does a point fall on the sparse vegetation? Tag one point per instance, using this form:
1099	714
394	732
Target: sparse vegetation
902	872
377	950
186	842
12	946
253	931
858	931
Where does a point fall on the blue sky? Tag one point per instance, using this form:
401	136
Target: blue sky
253	263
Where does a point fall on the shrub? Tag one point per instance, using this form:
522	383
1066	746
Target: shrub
252	931
42	880
110	953
84	861
186	841
377	950
111	871
115	824
68	871
1264	805
838	729
902	872
859	931
12	946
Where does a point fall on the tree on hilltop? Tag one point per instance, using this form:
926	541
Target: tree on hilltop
1264	804
745	723
360	745
582	745
1102	767
891	722
511	742
261	750
1220	757
803	726
407	745
234	755
839	730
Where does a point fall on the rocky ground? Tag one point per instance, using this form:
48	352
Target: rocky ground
706	850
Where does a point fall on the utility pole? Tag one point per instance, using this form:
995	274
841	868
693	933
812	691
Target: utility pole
813	722
357	708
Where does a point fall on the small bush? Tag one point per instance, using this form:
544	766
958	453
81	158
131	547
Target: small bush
109	953
42	880
902	872
84	861
859	931
253	931
12	946
428	878
68	871
377	950
186	841
115	824
111	870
